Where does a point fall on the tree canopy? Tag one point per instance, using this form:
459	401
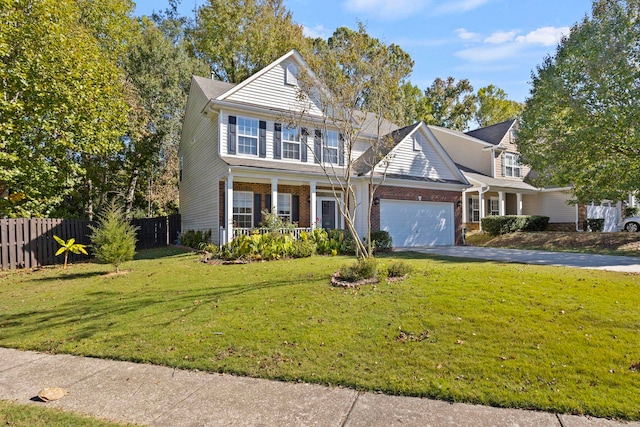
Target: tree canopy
494	106
240	37
581	124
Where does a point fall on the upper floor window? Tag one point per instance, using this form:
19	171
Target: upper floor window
511	165
247	136
331	146
291	75
291	142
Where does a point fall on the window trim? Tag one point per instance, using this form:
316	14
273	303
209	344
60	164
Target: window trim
240	134
474	207
327	149
494	202
244	214
511	164
285	141
285	216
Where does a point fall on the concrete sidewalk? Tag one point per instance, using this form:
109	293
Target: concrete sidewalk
564	259
159	396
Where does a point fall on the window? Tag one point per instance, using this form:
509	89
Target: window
330	154
291	75
291	142
284	207
247	136
474	209
418	142
511	165
181	165
494	206
243	209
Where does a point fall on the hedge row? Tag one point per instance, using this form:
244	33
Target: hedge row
495	225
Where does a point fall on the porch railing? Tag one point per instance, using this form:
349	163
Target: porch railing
295	232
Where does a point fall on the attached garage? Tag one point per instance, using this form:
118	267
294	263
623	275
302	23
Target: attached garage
413	223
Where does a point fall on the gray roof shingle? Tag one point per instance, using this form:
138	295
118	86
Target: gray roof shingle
492	134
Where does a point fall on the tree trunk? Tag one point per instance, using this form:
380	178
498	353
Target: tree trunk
128	203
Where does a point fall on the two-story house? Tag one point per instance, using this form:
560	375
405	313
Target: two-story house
489	159
242	152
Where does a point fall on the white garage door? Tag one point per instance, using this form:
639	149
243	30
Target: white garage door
417	223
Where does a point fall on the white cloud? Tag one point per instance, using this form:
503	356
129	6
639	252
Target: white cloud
545	36
500	37
489	53
467	35
460	6
386	9
317	31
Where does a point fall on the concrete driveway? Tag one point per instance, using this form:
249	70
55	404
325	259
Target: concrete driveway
564	259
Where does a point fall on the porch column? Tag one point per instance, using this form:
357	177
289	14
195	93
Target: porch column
502	204
312	204
465	208
519	203
483	209
229	209
274	195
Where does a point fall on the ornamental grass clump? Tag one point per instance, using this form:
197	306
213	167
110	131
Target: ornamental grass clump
113	240
363	269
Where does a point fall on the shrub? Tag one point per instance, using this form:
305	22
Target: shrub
381	241
274	223
595	224
364	268
398	269
303	248
631	211
194	239
495	225
113	240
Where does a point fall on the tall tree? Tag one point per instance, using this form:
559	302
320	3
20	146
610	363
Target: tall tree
357	81
494	106
158	68
448	103
61	103
581	124
239	37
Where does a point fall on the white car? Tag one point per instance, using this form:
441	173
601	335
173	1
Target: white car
631	224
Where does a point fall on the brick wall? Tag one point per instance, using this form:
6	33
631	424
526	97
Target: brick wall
403	193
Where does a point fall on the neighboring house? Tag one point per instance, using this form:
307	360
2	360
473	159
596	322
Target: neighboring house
248	147
489	159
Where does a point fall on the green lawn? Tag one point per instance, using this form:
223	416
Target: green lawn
15	415
546	338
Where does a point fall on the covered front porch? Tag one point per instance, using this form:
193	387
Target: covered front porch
493	196
309	203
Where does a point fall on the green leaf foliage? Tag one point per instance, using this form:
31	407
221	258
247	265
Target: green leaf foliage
237	38
494	106
581	124
113	240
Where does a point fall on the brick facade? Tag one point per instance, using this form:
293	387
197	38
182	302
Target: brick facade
403	193
303	192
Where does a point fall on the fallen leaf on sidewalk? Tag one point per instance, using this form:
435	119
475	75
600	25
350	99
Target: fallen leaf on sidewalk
52	393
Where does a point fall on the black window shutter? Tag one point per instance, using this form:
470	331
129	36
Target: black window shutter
303	144
257	208
267	202
231	135
295	208
262	139
317	145
277	141
341	150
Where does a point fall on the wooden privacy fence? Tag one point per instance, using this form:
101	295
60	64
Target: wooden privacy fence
29	242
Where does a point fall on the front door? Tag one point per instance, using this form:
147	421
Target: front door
327	213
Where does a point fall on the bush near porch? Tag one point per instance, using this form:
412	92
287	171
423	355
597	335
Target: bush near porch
496	225
519	336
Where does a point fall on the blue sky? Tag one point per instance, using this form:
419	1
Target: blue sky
486	41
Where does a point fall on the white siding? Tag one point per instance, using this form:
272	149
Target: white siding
425	163
465	152
199	193
269	90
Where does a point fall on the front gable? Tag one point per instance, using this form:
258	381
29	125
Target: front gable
419	155
275	87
